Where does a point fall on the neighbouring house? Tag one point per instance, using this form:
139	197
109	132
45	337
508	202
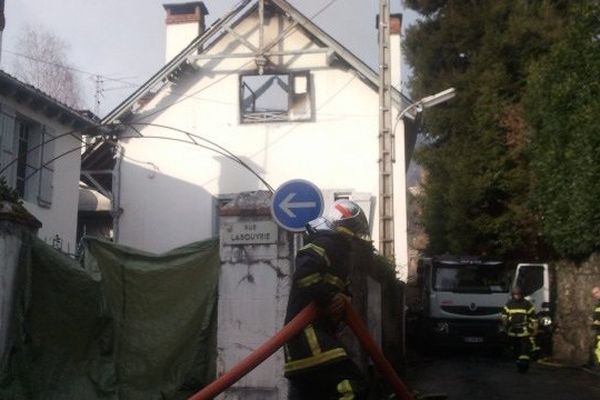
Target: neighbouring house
261	97
40	144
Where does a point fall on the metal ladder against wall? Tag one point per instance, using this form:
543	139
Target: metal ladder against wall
386	140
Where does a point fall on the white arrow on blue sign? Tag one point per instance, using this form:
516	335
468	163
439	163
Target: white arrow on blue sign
295	203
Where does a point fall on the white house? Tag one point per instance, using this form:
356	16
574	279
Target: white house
40	144
261	97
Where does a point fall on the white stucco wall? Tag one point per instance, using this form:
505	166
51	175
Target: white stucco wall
170	202
60	218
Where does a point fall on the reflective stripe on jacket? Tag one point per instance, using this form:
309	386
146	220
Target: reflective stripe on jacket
519	318
322	270
596	318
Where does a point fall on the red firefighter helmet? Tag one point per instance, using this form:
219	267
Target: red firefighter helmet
347	217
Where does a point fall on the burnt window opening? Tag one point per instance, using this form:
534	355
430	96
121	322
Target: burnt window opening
276	97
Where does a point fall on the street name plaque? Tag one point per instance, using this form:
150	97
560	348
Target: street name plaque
255	232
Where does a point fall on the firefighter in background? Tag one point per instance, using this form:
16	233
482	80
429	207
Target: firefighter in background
596	326
518	317
316	363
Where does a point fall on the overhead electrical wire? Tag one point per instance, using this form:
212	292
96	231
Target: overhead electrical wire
132	84
94	74
69	68
223	151
220	149
320	11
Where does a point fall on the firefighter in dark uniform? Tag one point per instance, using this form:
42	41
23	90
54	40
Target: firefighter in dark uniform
520	322
596	326
316	363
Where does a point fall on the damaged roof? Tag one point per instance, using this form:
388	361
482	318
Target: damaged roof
211	35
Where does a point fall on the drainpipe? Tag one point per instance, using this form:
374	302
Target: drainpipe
116	194
2	24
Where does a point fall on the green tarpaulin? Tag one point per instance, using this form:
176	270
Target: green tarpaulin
121	324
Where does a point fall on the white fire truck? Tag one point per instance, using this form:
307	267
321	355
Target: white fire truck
461	300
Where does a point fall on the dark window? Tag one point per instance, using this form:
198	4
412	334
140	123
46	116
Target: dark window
470	278
23	129
530	279
34	167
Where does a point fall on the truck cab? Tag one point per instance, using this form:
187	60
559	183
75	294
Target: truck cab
462	300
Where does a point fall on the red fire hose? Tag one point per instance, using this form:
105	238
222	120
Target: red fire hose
300	321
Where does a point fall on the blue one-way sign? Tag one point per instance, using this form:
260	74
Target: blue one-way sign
295	203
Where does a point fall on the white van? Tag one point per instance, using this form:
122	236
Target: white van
537	283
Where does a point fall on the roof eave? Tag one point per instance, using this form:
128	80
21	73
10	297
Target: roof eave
36	99
175	63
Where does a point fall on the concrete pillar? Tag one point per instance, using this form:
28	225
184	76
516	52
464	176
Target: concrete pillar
254	285
16	226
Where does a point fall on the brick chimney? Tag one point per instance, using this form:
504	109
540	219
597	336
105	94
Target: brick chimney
395	50
185	21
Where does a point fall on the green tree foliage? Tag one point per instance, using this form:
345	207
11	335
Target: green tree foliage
478	181
7	193
563	110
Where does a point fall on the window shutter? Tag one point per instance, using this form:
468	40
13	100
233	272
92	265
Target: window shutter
8	145
46	187
34	159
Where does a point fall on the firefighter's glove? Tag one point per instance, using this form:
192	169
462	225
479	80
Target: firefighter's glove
337	307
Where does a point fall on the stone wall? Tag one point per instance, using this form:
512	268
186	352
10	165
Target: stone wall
16	227
574	282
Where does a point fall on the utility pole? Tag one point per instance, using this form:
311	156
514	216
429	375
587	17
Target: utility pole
99	93
386	173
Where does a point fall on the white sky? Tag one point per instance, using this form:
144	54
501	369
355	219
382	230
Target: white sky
125	39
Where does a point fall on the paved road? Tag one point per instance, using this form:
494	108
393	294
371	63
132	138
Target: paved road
480	378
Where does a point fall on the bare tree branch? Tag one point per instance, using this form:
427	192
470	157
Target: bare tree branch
44	64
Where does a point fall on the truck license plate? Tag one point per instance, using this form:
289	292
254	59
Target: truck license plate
473	339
